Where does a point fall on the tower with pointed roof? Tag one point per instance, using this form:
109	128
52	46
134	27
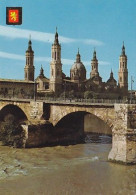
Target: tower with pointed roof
56	66
29	67
78	71
41	72
111	82
123	72
94	65
42	82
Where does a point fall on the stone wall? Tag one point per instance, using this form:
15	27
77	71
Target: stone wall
124	134
105	113
36	110
38	135
93	124
33	110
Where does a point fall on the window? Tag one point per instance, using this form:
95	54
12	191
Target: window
120	79
31	60
46	86
123	64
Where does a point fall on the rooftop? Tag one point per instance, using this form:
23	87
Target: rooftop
15	81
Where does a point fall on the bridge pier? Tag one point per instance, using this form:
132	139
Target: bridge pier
124	135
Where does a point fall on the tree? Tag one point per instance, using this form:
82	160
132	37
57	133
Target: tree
71	94
88	94
11	133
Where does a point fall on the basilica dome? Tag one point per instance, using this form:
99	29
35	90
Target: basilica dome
111	80
78	71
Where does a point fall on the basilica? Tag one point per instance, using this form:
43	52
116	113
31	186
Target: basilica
77	85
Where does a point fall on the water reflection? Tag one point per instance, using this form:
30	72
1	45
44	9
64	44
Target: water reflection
98	138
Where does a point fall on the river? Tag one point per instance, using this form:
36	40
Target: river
65	170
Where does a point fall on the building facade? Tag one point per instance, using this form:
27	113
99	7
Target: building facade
10	88
59	84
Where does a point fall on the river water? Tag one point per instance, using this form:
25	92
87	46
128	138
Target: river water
65	170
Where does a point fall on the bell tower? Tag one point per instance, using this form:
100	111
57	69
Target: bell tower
94	65
56	66
123	72
29	67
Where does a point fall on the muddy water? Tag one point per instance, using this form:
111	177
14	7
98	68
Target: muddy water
71	170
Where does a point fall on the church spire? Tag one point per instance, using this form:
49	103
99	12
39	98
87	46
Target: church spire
111	74
78	60
56	66
123	72
94	65
56	41
29	45
123	50
94	54
41	72
29	67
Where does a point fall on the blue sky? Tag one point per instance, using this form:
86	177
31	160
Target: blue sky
87	24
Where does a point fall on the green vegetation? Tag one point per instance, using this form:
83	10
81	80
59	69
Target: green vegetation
11	133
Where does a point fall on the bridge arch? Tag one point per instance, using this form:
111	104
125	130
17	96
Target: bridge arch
84	122
106	114
14	110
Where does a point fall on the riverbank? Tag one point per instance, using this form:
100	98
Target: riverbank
78	169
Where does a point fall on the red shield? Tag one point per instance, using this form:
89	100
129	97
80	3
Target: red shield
14	15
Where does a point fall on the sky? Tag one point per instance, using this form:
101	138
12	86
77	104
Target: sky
83	24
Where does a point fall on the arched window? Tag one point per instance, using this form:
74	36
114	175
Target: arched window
31	61
123	64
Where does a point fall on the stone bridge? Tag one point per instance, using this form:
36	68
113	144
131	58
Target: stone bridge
33	110
121	118
104	112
